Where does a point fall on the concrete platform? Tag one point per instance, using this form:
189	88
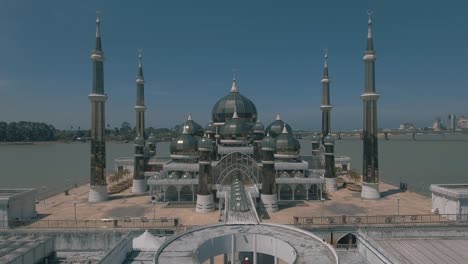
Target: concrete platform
127	204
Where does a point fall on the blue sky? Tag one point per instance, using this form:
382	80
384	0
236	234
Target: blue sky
191	47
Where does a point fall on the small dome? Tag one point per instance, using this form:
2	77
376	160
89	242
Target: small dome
205	143
173	175
284	174
276	127
298	174
193	128
184	144
224	108
329	139
315	137
286	143
152	139
259	127
235	127
187	175
268	142
139	140
210	128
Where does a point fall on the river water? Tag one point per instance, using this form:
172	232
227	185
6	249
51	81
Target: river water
418	163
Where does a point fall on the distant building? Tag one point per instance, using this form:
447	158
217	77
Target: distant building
462	122
437	126
407	126
16	205
451	199
452	122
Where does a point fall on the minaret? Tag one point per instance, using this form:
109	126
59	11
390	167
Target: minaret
325	107
330	171
268	195
205	201
370	170
139	184
98	184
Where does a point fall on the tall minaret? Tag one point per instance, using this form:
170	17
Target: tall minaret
140	99
98	184
370	169
325	107
205	201
268	194
139	184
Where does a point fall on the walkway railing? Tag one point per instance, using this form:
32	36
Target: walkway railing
142	222
379	219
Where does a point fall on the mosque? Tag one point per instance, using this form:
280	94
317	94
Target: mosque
234	147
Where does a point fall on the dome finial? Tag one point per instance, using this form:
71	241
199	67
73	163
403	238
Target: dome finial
285	130
185	129
235	113
234	82
189	117
278	117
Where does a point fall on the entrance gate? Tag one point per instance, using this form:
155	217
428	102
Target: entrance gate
236	164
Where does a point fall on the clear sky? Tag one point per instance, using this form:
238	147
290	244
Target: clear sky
191	47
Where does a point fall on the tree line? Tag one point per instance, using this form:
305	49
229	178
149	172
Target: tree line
24	131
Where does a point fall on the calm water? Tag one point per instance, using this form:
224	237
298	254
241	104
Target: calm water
418	163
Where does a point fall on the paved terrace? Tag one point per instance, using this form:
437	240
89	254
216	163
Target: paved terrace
343	202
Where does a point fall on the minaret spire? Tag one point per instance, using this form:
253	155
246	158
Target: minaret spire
370	44
370	170
98	183
234	82
98	31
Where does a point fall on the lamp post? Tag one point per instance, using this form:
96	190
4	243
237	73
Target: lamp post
322	202
43	193
74	205
398	201
154	211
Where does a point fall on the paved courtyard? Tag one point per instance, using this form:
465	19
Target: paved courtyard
125	204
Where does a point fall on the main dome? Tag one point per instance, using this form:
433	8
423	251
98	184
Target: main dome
223	110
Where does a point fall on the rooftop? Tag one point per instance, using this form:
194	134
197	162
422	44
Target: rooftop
458	191
10	193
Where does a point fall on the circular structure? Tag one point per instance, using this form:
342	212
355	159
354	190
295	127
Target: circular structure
205	144
268	143
192	127
329	139
184	144
210	128
276	127
289	244
235	128
224	108
259	128
287	144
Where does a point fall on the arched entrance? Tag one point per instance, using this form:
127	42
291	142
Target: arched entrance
186	194
236	164
347	241
300	193
171	194
285	192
